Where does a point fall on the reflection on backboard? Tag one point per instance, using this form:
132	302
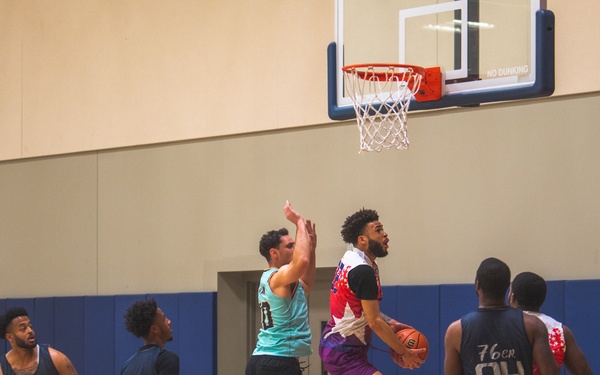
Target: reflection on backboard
488	50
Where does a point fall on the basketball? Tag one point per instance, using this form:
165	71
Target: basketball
412	339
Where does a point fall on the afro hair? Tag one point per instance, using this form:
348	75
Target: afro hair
356	223
140	317
8	317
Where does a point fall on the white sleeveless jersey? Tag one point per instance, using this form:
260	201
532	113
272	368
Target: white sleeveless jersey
556	336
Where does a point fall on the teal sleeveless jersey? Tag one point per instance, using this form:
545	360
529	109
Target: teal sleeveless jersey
285	331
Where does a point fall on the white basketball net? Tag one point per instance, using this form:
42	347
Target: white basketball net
381	96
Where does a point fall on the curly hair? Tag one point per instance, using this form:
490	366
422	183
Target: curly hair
270	240
140	317
8	317
356	223
530	291
494	277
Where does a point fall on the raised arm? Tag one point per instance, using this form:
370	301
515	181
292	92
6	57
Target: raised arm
293	271
308	279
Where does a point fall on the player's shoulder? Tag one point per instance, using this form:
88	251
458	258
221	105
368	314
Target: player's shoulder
454	327
453	335
169	354
57	356
533	320
168	362
535	328
55	353
61	361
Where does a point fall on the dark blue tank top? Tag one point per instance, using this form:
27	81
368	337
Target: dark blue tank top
143	362
494	342
45	365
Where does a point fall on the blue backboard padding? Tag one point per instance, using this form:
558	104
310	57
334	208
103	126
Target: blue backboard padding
99	335
582	303
68	335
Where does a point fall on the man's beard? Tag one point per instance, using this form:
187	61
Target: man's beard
377	249
23	344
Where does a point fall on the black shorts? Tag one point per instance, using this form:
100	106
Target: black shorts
273	365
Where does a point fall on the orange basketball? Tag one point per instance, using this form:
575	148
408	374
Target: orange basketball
412	339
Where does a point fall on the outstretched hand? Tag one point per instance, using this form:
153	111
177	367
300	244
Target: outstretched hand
291	214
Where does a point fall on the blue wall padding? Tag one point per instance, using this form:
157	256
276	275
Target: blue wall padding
90	330
99	335
379	353
582	303
419	306
4	344
554	305
198	333
43	318
68	323
455	301
27	303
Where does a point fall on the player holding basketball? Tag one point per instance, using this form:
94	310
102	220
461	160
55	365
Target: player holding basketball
528	292
27	357
285	334
146	320
497	338
354	302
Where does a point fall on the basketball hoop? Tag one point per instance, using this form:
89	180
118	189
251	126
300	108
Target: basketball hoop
381	94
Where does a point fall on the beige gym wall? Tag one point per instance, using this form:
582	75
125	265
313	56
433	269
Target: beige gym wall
89	75
514	180
518	181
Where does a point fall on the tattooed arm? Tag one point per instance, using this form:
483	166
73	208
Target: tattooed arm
395	325
62	363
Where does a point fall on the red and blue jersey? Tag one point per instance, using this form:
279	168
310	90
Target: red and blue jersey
356	279
556	337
